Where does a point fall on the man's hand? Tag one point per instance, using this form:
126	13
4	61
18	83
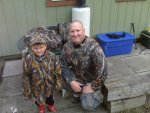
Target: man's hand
76	86
87	89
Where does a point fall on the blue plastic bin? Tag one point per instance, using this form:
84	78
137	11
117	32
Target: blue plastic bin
115	46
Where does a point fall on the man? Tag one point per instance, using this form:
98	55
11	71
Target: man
84	67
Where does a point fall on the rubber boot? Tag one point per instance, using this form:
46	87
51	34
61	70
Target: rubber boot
51	108
41	109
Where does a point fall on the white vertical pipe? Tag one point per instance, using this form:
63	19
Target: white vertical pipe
82	14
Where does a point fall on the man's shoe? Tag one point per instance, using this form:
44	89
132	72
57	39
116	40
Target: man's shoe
52	108
41	108
75	100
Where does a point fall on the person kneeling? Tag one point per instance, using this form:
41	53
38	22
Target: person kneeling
84	67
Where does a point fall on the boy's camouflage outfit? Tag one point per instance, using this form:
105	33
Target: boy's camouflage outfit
41	74
85	64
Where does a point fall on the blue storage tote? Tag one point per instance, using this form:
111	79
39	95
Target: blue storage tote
115	46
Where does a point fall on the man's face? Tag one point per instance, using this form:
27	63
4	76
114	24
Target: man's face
39	49
77	33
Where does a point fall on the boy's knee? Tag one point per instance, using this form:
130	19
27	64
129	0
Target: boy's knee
90	101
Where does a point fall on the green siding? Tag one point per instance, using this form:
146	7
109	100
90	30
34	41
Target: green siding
52	16
91	5
18	16
136	15
61	11
105	15
96	16
5	47
10	21
148	16
68	13
143	16
31	15
40	12
129	16
113	16
121	16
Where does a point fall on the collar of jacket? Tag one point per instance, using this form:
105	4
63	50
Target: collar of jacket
81	44
40	59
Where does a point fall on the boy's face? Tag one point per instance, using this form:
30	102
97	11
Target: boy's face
39	49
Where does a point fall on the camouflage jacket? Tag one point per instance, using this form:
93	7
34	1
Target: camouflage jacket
41	75
86	64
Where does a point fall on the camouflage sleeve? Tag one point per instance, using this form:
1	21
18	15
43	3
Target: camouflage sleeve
58	74
26	80
67	74
100	64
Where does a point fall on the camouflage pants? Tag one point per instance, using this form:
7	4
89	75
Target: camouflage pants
90	101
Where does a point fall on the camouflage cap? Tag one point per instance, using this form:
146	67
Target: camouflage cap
37	38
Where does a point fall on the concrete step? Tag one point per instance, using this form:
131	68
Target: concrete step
2	65
13	68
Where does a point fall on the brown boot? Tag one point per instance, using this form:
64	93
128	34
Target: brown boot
41	109
75	100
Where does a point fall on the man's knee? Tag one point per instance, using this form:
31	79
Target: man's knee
90	101
66	90
64	84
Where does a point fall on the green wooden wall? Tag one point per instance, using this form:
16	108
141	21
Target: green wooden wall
18	16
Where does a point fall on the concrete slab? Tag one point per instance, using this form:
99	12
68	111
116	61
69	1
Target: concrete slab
140	50
10	86
27	106
139	63
18	102
117	67
10	96
12	68
128	86
124	104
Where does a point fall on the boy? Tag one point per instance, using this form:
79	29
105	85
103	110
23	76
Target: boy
41	73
